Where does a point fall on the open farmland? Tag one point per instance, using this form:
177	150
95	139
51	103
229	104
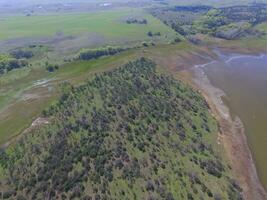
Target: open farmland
82	29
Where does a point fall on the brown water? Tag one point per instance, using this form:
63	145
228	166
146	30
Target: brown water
244	81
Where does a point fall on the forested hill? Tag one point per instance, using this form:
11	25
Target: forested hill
126	134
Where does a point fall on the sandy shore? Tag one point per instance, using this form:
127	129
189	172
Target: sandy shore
232	137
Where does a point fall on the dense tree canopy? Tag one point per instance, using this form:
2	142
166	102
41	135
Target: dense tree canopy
126	134
227	22
8	63
90	54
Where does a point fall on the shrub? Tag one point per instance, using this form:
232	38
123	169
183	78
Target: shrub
96	53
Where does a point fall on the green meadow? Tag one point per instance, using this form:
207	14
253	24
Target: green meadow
109	24
21	99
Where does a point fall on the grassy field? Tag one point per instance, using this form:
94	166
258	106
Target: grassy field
25	93
109	24
23	100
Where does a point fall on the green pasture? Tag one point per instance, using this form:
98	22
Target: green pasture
109	24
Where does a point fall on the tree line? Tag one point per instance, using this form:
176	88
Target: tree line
96	53
14	60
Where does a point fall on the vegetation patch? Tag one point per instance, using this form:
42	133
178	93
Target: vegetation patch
230	23
89	54
136	21
15	59
128	133
151	34
8	63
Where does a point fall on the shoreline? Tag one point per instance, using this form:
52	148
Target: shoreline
232	136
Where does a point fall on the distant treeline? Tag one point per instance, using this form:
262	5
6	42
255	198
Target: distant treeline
19	54
151	34
229	23
14	60
96	53
136	21
197	8
9	64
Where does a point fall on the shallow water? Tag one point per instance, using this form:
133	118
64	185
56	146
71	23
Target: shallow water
244	81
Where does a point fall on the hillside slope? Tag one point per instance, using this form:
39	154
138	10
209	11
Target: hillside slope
126	134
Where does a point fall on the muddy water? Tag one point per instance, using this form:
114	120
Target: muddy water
244	82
